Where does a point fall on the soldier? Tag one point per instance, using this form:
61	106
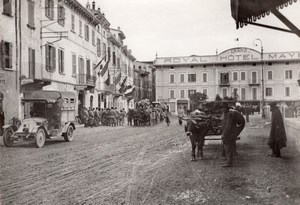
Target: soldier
85	116
96	117
277	138
232	125
91	117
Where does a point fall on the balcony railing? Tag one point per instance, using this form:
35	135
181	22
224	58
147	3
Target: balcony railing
253	82
85	79
224	83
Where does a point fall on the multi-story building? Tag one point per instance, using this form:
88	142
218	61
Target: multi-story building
120	71
238	72
143	81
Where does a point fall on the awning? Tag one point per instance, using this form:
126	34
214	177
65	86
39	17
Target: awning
129	91
248	11
49	96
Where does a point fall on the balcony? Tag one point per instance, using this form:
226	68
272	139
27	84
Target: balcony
86	80
253	82
224	83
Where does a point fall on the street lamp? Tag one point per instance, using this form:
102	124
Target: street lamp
262	76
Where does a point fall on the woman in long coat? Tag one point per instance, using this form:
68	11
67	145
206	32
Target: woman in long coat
277	138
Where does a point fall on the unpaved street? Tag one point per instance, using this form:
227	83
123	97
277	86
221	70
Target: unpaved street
147	165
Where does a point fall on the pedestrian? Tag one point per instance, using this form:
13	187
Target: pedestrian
232	125
180	113
2	120
167	116
91	117
121	117
247	111
277	138
96	117
85	116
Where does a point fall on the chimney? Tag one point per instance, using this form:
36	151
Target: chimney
88	6
119	28
93	5
99	9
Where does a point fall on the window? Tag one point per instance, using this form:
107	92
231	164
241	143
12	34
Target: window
118	63
104	51
31	64
172	94
204	91
74	65
60	14
61	61
108	53
254	77
287	91
254	93
98	47
191	77
7	10
191	92
114	58
172	78
73	23
243	93
50	58
182	94
270	74
235	76
269	92
224	92
224	78
86	32
235	93
6	55
81	78
80	28
288	74
182	78
88	67
93	37
204	77
30	14
243	75
49	8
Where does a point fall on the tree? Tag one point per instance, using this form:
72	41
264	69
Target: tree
197	98
218	98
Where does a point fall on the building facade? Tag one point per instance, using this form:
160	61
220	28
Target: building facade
239	73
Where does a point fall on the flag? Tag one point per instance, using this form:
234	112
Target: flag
104	69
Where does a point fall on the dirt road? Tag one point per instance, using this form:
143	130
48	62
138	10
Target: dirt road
146	165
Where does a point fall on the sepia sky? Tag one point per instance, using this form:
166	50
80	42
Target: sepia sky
191	27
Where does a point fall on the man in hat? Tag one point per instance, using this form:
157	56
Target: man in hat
277	138
232	125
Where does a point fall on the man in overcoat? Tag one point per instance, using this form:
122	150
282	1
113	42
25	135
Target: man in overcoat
277	138
232	125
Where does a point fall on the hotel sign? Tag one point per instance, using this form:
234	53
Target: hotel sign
229	56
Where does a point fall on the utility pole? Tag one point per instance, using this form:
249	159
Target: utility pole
262	78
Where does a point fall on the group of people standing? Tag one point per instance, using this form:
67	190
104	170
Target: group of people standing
95	117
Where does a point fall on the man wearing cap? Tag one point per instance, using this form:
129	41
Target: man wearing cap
277	138
232	125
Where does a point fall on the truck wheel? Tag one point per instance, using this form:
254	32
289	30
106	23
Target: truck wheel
69	134
40	138
7	137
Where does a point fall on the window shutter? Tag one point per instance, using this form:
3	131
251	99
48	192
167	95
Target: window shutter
31	13
53	58
47	57
2	54
9	55
63	61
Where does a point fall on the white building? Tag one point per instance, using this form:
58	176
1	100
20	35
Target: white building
236	72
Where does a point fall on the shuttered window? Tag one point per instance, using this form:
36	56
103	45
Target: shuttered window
93	37
243	93
80	28
243	75
50	58
6	55
49	8
30	14
7	8
60	14
73	22
98	47
73	64
31	64
204	77
86	33
104	51
61	61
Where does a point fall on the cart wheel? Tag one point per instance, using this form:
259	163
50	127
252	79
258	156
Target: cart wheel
7	137
40	138
69	134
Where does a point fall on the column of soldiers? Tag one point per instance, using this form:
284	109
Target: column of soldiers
95	117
